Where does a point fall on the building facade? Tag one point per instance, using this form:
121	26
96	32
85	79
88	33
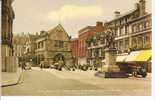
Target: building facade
8	61
96	45
132	29
30	47
19	47
53	46
74	47
84	34
133	32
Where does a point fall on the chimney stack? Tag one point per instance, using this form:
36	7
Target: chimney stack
142	7
117	14
99	23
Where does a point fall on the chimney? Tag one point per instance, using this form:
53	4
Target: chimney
99	23
142	7
117	14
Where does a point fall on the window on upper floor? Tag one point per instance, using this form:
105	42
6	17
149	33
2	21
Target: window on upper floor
147	24
140	27
146	39
135	28
59	44
102	41
121	31
134	43
126	43
95	42
89	44
127	29
42	44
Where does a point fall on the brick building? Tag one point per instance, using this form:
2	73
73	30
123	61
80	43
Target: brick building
74	47
96	46
84	34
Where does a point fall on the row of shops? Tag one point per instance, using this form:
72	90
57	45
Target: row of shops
136	58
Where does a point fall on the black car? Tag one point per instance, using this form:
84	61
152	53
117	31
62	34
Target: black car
134	70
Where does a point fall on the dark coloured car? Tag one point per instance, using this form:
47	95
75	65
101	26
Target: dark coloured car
133	69
44	64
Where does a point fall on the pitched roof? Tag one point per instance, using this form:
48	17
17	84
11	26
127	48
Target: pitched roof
59	26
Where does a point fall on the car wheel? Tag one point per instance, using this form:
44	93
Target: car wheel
144	75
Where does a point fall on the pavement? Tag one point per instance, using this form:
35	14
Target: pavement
11	78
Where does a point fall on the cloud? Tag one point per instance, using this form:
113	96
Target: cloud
75	12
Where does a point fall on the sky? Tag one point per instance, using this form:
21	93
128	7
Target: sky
32	16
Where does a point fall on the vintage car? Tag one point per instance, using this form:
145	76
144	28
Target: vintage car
44	64
133	69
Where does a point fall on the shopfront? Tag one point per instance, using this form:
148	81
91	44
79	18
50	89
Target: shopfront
138	58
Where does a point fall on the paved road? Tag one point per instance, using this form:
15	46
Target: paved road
53	82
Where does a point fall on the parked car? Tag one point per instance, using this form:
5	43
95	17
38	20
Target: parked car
83	67
44	64
139	71
28	68
133	69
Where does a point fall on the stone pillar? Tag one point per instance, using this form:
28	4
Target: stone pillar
9	63
110	61
110	69
5	52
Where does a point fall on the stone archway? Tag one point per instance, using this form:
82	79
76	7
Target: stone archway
59	57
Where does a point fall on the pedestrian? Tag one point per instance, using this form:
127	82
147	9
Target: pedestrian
41	66
23	66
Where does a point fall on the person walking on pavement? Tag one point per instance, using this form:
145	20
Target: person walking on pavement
41	65
23	66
